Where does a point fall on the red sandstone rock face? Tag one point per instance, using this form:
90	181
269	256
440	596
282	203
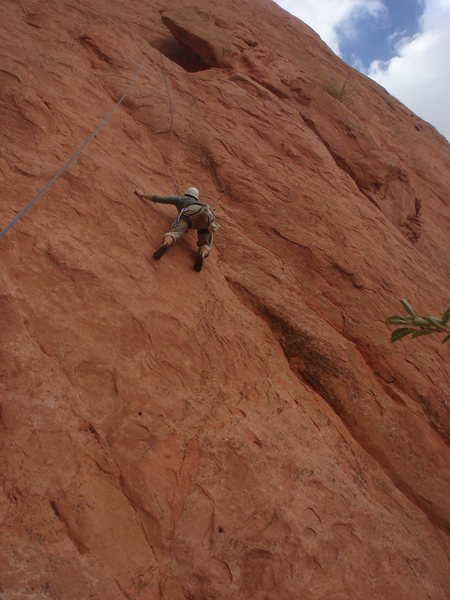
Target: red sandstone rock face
246	432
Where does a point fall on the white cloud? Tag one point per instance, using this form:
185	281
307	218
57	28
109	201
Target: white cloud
420	75
326	17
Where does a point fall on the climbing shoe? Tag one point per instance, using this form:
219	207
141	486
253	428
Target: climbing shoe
160	251
198	262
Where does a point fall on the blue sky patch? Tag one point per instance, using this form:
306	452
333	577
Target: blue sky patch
367	38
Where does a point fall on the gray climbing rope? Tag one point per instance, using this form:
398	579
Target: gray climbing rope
171	124
77	153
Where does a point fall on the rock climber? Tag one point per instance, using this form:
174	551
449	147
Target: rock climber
191	214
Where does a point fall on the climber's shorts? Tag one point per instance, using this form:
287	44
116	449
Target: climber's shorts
192	218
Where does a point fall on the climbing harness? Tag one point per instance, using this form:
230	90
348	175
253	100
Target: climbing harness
186	218
205	208
78	152
180	216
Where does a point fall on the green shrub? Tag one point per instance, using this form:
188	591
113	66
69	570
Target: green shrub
416	326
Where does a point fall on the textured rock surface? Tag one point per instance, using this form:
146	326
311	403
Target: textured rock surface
247	432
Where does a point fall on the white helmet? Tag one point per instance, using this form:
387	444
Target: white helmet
193	192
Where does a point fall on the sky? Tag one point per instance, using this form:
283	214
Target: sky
404	45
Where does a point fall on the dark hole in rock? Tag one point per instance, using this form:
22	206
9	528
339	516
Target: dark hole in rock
180	54
54	508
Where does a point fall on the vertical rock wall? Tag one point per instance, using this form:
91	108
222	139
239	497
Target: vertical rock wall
246	432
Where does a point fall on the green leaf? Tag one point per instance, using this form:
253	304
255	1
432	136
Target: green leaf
408	307
422	332
396	320
421	321
399	333
435	322
446	316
